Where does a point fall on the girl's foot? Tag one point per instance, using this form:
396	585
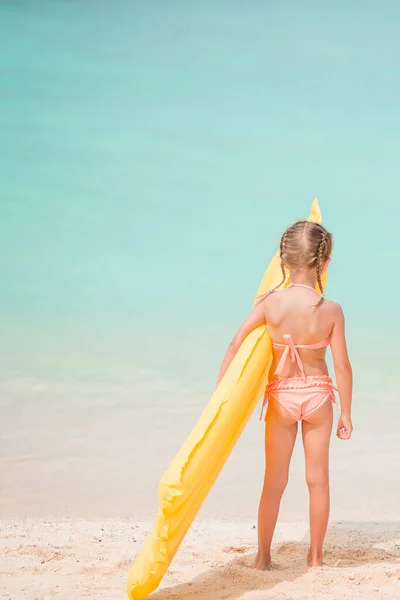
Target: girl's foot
263	563
314	560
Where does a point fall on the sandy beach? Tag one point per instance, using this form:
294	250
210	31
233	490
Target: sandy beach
76	559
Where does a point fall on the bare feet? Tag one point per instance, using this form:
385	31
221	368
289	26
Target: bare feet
314	560
263	563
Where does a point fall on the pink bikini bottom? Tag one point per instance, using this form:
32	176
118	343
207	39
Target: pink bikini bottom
300	397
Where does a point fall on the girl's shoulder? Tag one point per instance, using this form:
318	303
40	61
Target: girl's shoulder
331	305
333	308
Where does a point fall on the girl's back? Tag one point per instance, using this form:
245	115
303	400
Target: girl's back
293	311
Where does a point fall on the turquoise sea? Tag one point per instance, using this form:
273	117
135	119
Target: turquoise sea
151	154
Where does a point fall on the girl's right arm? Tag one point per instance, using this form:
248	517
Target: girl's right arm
343	372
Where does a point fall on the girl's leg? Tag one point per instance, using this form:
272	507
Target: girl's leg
316	437
280	436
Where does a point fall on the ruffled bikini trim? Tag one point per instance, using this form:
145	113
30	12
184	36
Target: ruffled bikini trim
292	383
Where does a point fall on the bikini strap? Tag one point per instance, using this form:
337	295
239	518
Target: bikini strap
263	296
292	349
303	285
316	346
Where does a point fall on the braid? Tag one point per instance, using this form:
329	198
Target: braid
320	256
304	246
282	253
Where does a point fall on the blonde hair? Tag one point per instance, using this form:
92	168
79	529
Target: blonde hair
305	245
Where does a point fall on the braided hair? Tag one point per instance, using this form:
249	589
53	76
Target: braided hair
282	253
304	245
321	255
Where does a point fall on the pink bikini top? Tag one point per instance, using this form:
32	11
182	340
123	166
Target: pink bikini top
292	349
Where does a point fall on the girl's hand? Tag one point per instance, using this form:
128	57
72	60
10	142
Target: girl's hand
344	428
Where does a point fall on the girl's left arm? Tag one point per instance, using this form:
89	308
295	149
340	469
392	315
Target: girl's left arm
255	318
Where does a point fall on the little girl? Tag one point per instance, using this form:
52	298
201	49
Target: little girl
301	324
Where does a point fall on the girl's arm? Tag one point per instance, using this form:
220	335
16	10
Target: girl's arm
256	318
344	374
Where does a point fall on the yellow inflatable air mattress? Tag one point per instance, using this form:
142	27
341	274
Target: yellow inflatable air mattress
197	465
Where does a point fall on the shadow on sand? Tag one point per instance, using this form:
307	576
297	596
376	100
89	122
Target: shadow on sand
348	545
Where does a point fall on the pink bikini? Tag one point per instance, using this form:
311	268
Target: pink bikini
299	396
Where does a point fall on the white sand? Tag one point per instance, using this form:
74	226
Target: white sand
74	559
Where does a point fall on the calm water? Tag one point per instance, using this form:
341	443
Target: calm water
151	153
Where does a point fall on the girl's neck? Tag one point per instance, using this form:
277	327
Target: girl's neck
308	278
